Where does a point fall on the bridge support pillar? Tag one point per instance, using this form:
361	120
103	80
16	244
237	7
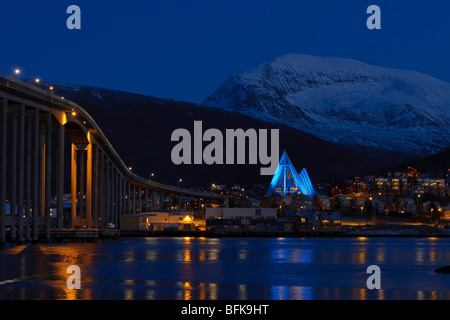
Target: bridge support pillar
140	200
13	167
128	198
35	176
199	205
154	200
133	202
107	193
146	199
81	177
73	206
3	136
96	186
60	181
20	173
28	154
116	196
124	196
89	185
48	162
101	194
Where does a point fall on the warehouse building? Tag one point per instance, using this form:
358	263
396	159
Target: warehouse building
157	221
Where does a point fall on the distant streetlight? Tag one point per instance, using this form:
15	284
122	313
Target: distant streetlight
17	71
361	212
37	80
152	175
130	168
179	181
51	88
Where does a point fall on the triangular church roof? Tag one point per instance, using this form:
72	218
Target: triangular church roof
287	180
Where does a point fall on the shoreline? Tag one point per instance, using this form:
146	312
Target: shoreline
391	230
388	230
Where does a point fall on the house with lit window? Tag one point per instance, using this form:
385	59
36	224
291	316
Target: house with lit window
319	219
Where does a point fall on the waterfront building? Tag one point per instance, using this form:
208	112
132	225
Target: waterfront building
319	219
157	221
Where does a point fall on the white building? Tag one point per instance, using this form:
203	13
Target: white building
157	221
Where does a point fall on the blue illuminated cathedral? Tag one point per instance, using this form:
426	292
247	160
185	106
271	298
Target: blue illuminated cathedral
286	180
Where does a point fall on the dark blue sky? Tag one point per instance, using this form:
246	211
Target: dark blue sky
185	49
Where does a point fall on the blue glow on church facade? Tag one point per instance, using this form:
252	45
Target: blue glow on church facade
287	180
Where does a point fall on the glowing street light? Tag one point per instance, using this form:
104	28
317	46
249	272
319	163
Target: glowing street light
37	80
17	71
179	181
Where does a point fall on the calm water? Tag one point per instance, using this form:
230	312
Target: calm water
228	268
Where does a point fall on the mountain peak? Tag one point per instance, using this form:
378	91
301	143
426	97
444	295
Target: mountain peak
344	100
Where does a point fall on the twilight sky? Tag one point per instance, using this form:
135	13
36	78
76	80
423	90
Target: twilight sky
185	49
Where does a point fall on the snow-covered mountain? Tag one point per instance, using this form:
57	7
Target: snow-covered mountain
344	101
140	128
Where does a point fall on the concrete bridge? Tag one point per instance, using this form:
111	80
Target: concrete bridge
36	127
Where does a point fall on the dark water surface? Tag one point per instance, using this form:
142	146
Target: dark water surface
228	268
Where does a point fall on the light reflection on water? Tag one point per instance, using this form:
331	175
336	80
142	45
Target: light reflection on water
189	268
